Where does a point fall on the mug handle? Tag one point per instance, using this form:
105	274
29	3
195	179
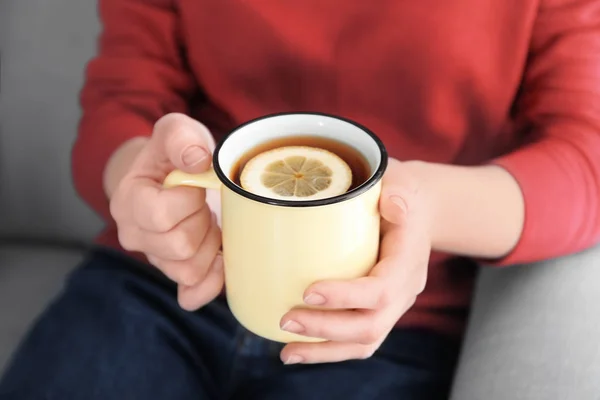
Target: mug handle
205	180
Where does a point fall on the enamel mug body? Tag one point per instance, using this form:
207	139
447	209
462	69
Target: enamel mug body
273	250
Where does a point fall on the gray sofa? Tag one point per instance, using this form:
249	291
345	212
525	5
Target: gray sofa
44	227
534	329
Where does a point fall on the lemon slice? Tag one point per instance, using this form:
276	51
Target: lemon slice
296	173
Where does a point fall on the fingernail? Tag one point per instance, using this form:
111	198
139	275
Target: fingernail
292	326
399	201
315	299
193	155
293	359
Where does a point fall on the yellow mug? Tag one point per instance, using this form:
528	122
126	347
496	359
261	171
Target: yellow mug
274	249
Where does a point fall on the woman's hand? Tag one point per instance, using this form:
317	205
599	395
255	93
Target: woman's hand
175	228
361	313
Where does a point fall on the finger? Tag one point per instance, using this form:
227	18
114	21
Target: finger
392	249
193	270
159	210
182	142
403	259
398	188
325	352
393	208
362	293
213	199
376	291
365	327
193	297
180	243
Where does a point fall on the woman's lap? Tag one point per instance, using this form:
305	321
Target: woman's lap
116	332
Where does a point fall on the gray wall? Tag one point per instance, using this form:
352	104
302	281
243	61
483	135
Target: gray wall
45	46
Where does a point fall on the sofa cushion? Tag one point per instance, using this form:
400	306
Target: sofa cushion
29	277
45	46
533	332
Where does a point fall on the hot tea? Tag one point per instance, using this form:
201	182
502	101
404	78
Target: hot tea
354	160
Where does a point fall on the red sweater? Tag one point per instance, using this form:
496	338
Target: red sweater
512	82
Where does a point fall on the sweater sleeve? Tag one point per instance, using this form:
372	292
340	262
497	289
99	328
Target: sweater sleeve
558	110
138	75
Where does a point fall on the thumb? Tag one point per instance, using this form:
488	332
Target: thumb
398	193
393	202
393	207
183	143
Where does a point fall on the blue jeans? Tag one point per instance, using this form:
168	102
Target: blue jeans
116	332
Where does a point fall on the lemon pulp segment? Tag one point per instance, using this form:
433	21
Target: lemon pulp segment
296	173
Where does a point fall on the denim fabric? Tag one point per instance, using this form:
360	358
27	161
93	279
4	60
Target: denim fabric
116	332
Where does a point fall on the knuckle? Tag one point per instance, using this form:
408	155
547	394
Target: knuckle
177	129
154	261
168	122
182	246
366	352
174	130
114	210
127	239
176	271
185	302
369	335
386	298
318	331
115	207
160	219
187	277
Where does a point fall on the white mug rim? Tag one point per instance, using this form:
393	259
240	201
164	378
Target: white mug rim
375	177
